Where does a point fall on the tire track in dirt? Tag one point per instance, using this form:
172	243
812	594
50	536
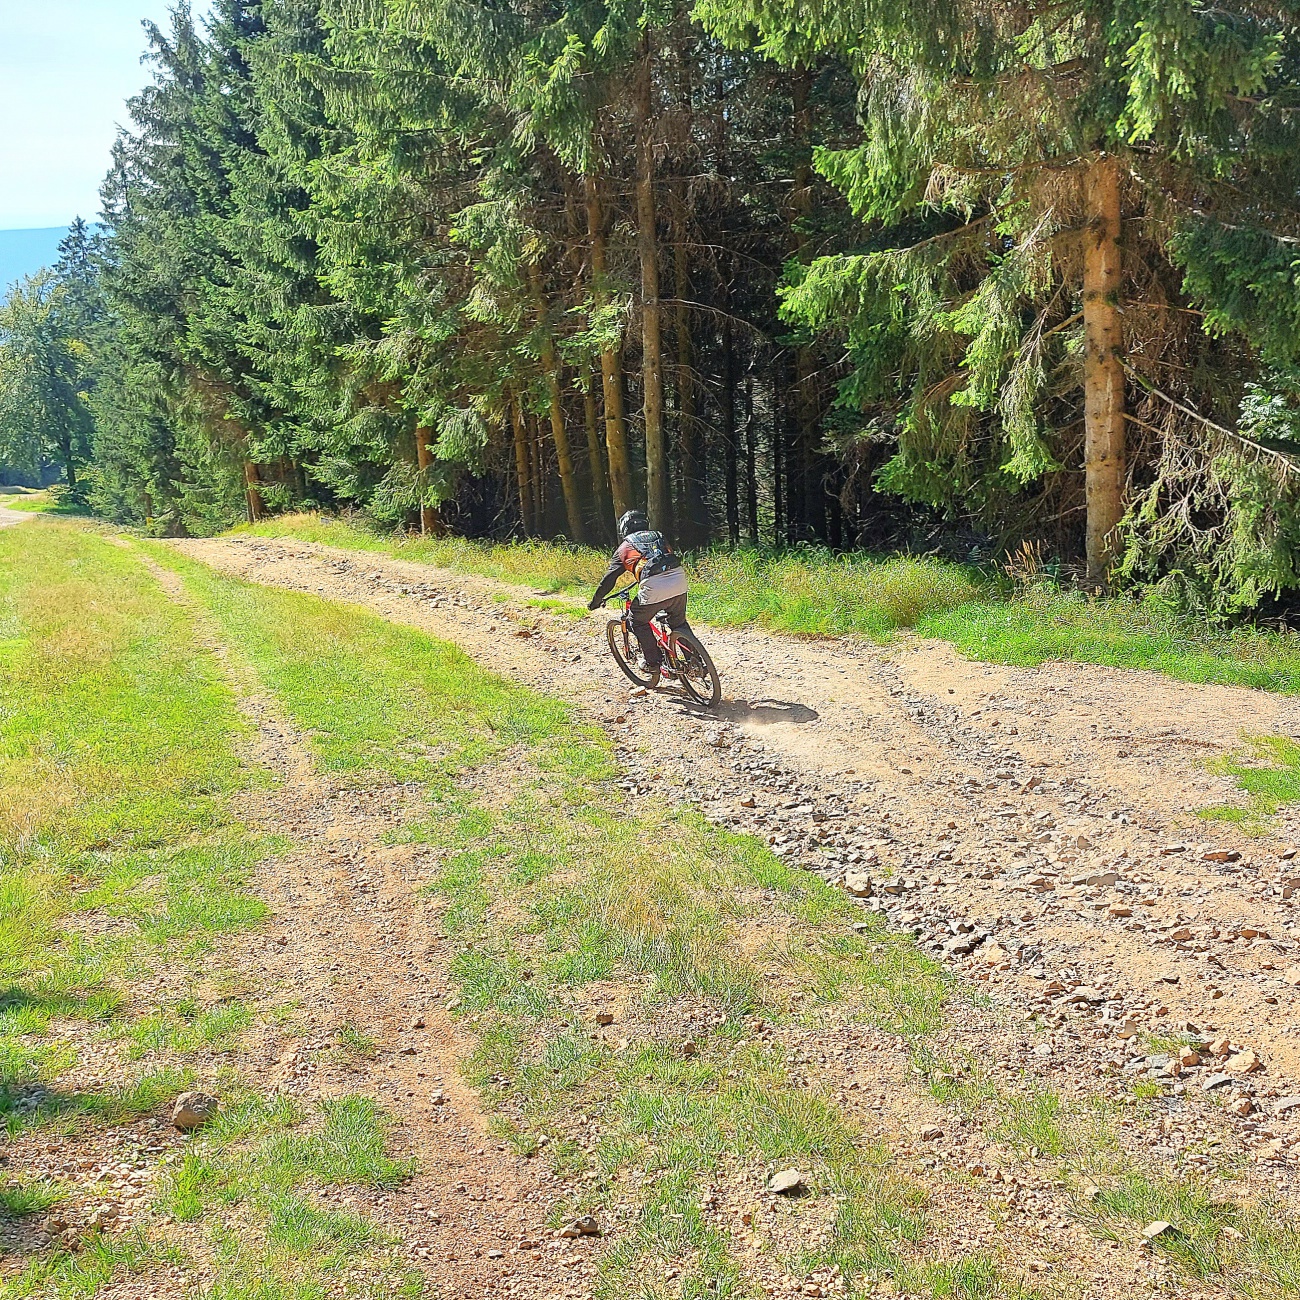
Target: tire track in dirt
981	799
353	942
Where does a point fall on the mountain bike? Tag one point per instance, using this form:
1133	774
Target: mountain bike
683	656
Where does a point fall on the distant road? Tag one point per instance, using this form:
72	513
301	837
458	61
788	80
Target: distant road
8	516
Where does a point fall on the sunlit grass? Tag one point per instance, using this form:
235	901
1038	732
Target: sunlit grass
117	752
1267	768
1252	1250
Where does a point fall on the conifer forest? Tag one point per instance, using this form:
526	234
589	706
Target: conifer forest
942	276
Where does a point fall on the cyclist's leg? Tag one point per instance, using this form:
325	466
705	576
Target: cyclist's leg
675	609
641	619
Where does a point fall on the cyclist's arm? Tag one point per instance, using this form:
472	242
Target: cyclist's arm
612	575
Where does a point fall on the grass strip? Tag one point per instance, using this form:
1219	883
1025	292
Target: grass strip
120	749
814	592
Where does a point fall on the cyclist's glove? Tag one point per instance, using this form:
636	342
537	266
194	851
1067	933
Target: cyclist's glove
594	604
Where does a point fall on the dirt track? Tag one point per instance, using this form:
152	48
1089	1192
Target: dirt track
975	796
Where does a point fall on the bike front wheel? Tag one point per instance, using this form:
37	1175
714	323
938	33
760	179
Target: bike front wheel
695	670
626	650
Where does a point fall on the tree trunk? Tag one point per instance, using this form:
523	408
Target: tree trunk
596	455
693	508
538	461
253	494
1103	370
611	370
810	490
729	432
751	462
695	521
424	459
656	452
69	465
778	487
559	434
523	470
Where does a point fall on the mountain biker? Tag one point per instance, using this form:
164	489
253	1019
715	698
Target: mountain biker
647	556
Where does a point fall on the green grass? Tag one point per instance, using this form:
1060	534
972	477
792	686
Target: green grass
372	696
117	755
1042	624
35	1197
815	593
1250	1250
53	501
1267	768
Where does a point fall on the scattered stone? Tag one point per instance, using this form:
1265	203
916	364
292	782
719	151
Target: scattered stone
583	1227
604	1017
994	954
638	692
1286	1105
1246	1062
103	1216
1119	910
930	1133
1172	848
496	1254
1212	1081
192	1110
1220	1046
1243	1106
962	944
1159	1229
1292	975
784	1182
1221	855
1169	977
749	802
417	1023
1084	993
1102	879
1188	1058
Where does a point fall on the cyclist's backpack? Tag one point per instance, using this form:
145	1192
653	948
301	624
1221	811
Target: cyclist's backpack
656	558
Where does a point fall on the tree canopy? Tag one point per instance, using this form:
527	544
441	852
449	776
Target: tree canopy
948	275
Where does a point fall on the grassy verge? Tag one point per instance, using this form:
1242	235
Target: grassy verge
117	750
818	594
53	501
120	859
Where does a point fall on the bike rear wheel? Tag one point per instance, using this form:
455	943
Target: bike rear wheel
626	650
695	670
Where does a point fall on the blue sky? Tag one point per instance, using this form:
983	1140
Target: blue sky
67	68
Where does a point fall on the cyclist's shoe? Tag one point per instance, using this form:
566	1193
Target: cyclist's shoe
655	678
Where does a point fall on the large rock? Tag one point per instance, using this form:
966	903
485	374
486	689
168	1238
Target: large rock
857	883
785	1182
194	1109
